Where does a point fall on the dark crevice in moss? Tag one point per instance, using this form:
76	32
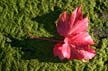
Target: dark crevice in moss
106	62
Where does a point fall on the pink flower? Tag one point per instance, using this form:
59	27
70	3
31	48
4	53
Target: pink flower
76	39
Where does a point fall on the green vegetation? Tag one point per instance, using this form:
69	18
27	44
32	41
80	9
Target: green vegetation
19	18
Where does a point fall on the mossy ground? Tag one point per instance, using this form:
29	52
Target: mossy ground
19	18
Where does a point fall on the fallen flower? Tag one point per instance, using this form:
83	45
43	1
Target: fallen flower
76	39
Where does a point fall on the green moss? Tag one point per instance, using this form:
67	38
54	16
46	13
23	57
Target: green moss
19	18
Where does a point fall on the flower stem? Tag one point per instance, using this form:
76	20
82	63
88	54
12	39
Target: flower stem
53	40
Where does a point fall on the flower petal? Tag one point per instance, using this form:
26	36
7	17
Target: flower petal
82	53
76	15
83	38
73	23
80	26
63	24
78	23
62	51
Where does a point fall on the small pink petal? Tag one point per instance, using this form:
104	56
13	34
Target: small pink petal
80	26
82	53
62	51
76	15
63	24
83	38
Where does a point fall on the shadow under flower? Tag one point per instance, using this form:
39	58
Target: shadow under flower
35	49
48	20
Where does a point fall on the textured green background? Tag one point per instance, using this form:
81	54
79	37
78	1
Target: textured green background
18	18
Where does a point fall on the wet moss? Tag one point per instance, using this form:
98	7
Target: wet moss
19	18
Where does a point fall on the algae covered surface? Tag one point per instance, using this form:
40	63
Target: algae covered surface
19	18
